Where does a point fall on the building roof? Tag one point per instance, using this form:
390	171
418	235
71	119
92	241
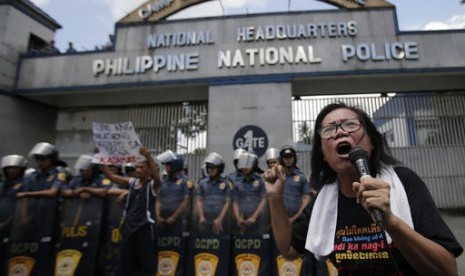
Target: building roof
34	12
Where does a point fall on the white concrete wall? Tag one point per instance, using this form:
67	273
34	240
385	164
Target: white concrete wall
23	124
15	29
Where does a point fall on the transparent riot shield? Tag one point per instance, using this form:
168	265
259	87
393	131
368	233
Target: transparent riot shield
7	209
79	234
32	237
251	243
209	244
109	254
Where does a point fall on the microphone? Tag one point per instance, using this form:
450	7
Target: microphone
358	157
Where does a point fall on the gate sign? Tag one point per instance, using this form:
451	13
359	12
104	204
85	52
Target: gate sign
117	143
252	139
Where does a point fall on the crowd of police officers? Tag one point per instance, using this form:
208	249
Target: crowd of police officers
229	209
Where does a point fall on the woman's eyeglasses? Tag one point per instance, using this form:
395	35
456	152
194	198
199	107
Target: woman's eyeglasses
329	131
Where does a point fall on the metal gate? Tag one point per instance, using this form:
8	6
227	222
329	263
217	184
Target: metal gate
181	127
424	131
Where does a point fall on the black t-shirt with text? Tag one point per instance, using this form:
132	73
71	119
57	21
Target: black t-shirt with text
360	247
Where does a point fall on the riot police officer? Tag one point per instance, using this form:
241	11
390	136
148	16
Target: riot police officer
213	196
271	157
13	167
174	193
296	187
88	182
236	174
46	181
249	196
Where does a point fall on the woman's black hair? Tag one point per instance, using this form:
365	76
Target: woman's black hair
380	153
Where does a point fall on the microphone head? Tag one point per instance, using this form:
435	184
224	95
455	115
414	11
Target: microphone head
357	153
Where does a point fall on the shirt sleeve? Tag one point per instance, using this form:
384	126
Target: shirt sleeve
426	218
59	181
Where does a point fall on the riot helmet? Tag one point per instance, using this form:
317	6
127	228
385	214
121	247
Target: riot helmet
175	160
216	160
29	171
13	161
246	160
44	149
236	154
271	154
84	162
287	151
129	169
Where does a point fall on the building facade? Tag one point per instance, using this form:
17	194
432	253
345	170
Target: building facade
230	81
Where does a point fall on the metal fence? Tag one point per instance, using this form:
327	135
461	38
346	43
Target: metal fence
181	127
424	131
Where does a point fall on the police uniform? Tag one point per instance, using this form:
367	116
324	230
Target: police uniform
295	186
96	182
248	193
172	192
214	194
234	176
44	180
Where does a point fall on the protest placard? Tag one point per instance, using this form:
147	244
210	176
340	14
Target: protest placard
116	143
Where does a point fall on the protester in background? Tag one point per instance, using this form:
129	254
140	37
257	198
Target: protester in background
46	181
339	227
174	194
139	244
249	197
50	48
213	196
70	48
88	183
111	42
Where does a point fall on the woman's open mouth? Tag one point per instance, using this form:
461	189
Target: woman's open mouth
343	148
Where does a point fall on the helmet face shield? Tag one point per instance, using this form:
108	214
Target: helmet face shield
246	160
14	161
167	156
214	159
238	152
271	153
